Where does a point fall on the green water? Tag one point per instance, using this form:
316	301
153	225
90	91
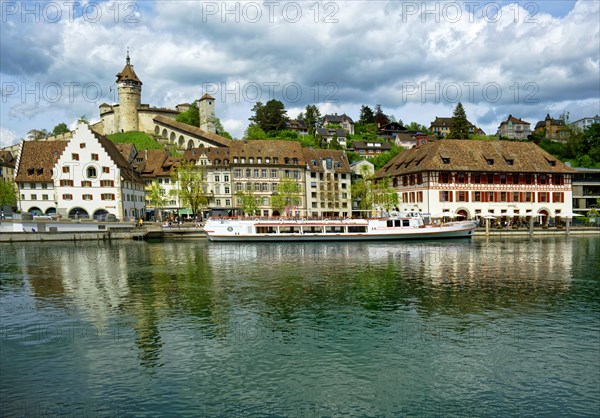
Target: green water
192	328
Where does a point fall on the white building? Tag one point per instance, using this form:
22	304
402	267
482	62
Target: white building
470	177
584	123
83	177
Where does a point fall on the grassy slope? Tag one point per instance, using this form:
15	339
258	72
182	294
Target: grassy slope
139	139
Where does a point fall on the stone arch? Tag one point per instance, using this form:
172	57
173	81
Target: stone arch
164	133
35	211
78	213
543	214
190	144
172	137
100	214
51	211
181	141
464	212
156	130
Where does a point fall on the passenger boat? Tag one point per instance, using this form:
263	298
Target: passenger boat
403	227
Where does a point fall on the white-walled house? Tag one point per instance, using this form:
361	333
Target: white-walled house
470	177
86	176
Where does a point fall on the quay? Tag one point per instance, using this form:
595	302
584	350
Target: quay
82	230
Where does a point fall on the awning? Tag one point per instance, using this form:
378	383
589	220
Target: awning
184	211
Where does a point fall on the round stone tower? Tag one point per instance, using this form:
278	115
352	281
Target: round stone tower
130	98
206	110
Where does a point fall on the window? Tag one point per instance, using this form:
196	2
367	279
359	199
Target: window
516	197
237	173
107	183
75	157
95	157
106	170
461	178
238	187
67	196
503	196
256	171
248	173
263	173
558	197
558	179
476	196
217	178
66	182
217	189
226	189
87	197
463	196
274	173
502	178
66	169
44	185
264	187
86	183
444	178
489	161
91	172
218	202
445	196
543	197
33	197
226	177
107	196
227	202
82	145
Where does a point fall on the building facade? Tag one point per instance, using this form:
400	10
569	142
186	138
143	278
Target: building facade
586	189
554	129
441	127
343	120
584	123
514	128
84	177
507	179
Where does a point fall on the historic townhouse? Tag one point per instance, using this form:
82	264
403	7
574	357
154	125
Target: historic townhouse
553	129
250	167
470	177
328	176
441	127
343	120
7	166
514	128
83	177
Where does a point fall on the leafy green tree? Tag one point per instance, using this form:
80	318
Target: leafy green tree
384	195
366	115
286	196
270	117
248	202
382	159
59	129
190	116
157	197
312	118
37	134
414	126
220	130
459	128
191	186
8	193
255	132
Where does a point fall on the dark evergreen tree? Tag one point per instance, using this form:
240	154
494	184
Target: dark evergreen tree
380	117
366	115
312	118
459	128
270	117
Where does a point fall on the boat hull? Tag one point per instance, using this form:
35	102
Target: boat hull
417	234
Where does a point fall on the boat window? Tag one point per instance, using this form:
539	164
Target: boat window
390	224
397	223
334	229
289	229
266	230
405	222
357	229
313	229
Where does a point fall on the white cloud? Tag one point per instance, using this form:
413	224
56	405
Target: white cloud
7	137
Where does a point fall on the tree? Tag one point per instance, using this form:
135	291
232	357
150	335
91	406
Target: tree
370	194
8	193
366	115
380	117
157	198
247	201
190	116
459	128
312	118
414	126
61	128
384	196
269	117
255	132
286	196
192	188
220	130
37	134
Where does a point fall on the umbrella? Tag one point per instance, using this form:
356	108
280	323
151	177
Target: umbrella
484	214
526	214
489	217
568	215
444	214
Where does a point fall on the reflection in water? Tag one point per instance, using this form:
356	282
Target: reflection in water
321	322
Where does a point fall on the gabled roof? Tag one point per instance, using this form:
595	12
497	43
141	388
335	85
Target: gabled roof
211	138
152	163
115	155
336	118
445	123
7	159
314	159
206	96
364	145
515	121
471	155
126	149
37	159
331	132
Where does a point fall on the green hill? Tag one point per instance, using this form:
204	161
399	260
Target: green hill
141	140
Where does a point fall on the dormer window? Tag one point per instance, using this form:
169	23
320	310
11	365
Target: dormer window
489	161
552	163
235	160
446	160
251	160
243	160
510	162
267	160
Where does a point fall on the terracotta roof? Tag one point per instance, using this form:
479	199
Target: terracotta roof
125	149
207	96
152	163
125	168
127	74
209	137
445	122
472	155
251	148
312	156
7	159
336	118
514	120
37	160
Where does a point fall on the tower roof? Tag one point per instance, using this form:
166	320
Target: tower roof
127	74
207	96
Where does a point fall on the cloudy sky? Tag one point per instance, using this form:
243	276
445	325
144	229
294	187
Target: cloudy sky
416	59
